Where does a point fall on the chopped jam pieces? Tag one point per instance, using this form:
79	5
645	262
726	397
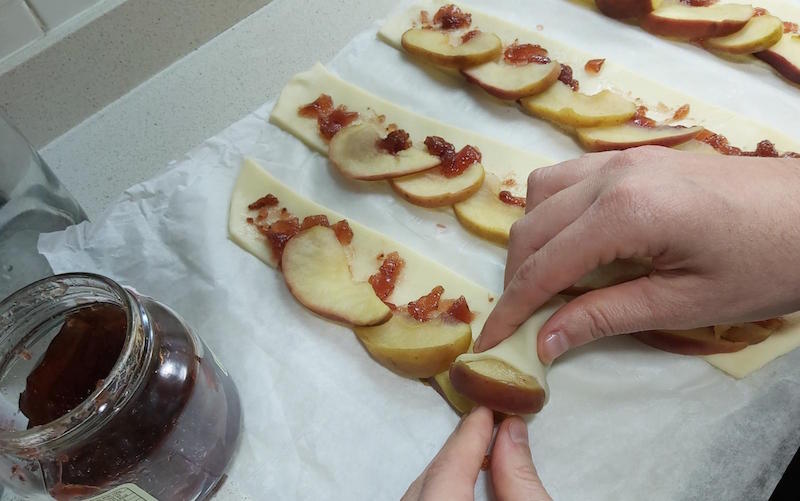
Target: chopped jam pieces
466	37
681	112
525	53
383	281
423	308
594	65
759	11
280	232
311	221
330	120
641	119
506	197
790	27
450	17
459	311
453	163
566	77
395	142
268	200
764	149
344	234
317	108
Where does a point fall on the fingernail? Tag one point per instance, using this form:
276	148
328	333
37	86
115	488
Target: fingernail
518	431
554	345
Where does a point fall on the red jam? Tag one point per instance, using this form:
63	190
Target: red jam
466	37
423	308
566	77
329	120
764	149
506	197
450	17
311	221
453	164
594	65
525	53
681	112
395	142
790	27
641	119
759	11
424	17
280	232
383	281
459	310
343	232
268	200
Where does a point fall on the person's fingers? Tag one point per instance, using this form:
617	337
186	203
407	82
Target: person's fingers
532	231
643	304
454	470
594	239
547	181
513	474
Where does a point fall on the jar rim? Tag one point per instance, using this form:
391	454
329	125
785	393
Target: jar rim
86	411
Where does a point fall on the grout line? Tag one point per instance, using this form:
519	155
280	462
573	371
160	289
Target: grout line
36	16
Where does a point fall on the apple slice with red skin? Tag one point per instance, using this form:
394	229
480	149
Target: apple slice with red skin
711	340
626	9
508	377
685	21
784	56
486	215
436	46
355	153
561	105
416	349
513	81
433	189
760	33
444	387
620	137
316	270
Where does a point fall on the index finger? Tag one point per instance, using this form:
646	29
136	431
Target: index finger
547	181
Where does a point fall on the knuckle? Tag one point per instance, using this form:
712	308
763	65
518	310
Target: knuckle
599	323
525	474
516	231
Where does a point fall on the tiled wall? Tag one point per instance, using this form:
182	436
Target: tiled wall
23	21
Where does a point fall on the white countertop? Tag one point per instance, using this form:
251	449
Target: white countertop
134	138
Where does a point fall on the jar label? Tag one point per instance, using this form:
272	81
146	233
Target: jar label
124	492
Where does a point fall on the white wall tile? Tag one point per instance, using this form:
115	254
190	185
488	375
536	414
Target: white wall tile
54	12
18	27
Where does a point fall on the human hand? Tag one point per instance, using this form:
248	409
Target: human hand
723	232
453	472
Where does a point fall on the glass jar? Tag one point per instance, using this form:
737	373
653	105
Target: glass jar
166	417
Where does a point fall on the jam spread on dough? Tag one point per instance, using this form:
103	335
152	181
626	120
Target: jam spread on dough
450	17
383	280
268	200
466	37
506	197
566	77
525	53
343	232
330	120
395	142
452	163
764	149
641	119
681	112
594	65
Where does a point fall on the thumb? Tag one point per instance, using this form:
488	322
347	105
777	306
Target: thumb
513	474
647	303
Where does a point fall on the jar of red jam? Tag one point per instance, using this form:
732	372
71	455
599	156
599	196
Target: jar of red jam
102	388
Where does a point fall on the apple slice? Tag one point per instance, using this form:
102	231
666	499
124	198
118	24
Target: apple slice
442	384
760	33
620	137
512	81
689	342
508	377
436	46
354	152
685	21
485	215
562	105
784	56
416	349
616	272
316	271
432	189
625	9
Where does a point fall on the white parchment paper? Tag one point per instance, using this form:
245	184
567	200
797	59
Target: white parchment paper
323	421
